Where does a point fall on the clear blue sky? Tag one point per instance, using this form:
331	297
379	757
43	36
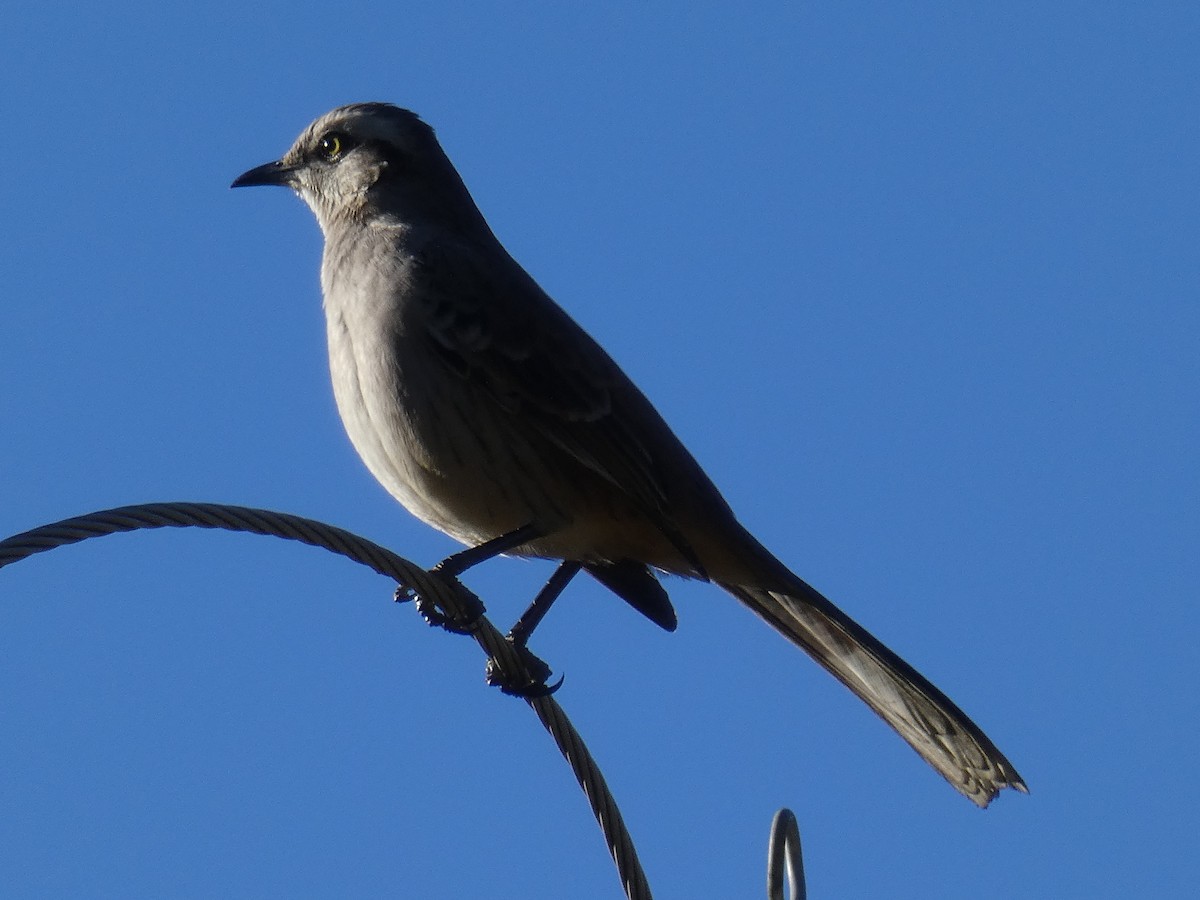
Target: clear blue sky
917	283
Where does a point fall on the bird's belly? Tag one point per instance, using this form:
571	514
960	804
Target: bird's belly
456	460
427	454
372	412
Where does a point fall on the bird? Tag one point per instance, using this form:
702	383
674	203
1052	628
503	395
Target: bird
485	410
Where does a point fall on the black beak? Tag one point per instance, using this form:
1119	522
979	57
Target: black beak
269	173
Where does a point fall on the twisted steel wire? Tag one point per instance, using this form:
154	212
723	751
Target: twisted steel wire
463	609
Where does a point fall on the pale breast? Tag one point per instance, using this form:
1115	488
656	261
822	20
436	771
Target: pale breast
444	446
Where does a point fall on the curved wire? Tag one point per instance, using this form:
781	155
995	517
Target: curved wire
460	606
785	846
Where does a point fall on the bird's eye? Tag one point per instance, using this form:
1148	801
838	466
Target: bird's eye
333	145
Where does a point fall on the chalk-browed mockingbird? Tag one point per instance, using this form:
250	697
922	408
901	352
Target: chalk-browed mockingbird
484	409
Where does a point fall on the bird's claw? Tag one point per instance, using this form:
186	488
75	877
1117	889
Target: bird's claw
530	685
530	689
429	611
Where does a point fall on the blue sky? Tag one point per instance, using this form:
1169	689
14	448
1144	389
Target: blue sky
917	283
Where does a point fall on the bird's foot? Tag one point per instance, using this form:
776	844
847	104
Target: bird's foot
527	688
428	609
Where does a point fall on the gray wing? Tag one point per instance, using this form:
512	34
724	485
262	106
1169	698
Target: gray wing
489	322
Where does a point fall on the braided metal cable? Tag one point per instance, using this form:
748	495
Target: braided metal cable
460	606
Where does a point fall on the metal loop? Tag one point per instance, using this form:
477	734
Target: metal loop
783	855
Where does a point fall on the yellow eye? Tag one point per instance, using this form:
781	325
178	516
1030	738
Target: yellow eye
332	145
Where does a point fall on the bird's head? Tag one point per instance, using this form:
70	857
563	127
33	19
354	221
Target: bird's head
366	161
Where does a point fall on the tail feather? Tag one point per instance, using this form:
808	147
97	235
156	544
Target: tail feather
936	728
636	585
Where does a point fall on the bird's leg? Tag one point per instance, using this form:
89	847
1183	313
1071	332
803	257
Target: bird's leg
541	604
519	637
457	563
454	565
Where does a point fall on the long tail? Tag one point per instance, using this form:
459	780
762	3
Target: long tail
923	715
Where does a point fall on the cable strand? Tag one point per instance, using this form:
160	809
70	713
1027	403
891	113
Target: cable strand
459	605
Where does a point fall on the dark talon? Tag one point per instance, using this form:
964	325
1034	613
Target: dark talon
534	687
530	691
429	611
534	691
